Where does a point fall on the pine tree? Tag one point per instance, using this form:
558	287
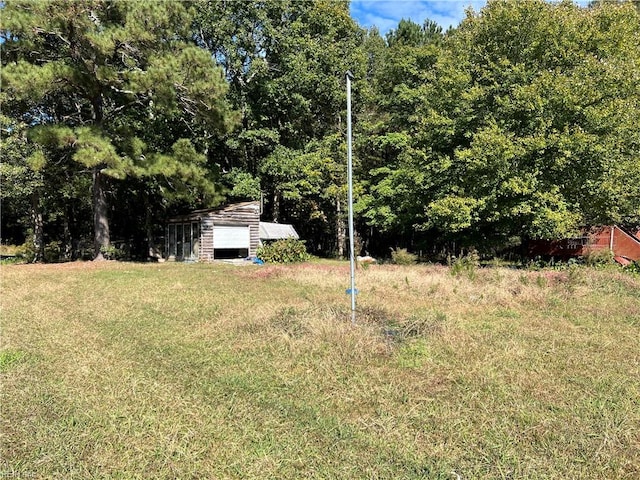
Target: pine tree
120	86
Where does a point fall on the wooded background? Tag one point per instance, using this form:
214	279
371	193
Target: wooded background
522	122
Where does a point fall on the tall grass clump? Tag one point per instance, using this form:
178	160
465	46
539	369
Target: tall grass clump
14	254
465	265
599	258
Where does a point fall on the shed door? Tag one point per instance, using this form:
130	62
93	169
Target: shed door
231	237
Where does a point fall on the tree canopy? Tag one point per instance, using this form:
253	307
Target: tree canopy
119	88
520	123
524	123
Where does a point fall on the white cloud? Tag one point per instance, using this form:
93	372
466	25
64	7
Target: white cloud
386	14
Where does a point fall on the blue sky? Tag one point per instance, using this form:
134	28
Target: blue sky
385	14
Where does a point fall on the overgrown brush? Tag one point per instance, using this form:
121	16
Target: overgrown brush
465	265
633	268
599	258
401	256
288	250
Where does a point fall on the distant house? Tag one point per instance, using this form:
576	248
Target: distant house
624	245
233	231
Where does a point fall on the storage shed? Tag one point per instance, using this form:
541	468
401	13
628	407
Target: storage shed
228	232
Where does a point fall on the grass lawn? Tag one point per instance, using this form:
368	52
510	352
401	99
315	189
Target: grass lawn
120	370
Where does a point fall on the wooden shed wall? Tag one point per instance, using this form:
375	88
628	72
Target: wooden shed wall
206	239
238	215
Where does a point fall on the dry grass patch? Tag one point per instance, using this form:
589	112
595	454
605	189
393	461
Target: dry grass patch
212	371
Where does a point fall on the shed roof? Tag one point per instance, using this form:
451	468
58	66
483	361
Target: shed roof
251	208
277	231
228	208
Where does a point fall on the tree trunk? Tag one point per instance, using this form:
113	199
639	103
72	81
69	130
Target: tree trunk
276	207
67	250
101	240
340	230
38	227
149	224
100	220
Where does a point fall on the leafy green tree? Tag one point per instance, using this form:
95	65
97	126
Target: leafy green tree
393	169
42	194
411	34
554	100
309	190
240	35
119	86
523	124
21	172
242	185
285	62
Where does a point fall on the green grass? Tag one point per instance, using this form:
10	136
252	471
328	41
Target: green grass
117	370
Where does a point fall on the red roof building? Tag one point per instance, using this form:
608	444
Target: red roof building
625	246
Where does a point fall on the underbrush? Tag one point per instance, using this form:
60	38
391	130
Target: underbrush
633	268
289	250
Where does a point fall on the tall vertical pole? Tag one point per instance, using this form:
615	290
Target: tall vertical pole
611	232
352	263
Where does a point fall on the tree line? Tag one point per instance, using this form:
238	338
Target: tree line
522	122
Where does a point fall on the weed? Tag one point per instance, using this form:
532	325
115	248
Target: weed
12	260
423	325
8	358
506	313
575	275
290	321
465	265
110	252
633	268
541	281
413	354
598	258
363	265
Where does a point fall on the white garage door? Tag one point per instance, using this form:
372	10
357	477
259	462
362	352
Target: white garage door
231	237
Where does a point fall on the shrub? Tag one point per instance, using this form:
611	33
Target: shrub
27	249
112	253
13	253
53	251
633	268
596	258
400	256
288	250
465	265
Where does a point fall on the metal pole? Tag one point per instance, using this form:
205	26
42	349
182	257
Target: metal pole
611	238
352	263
